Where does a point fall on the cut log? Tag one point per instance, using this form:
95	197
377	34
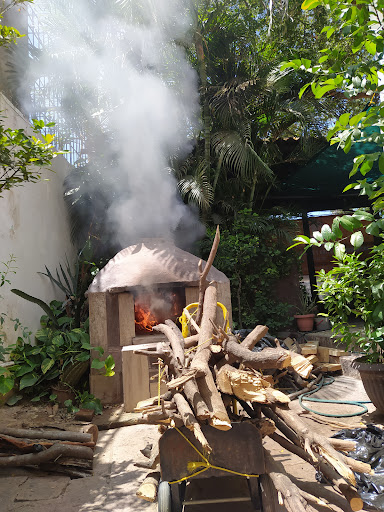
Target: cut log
190	421
39	433
180	381
342	445
255	336
329	472
148	489
313	442
191	341
29	445
153	460
207	387
203	276
194	397
265	359
55	451
148	402
291	494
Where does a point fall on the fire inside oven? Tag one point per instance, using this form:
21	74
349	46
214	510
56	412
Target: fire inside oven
155	306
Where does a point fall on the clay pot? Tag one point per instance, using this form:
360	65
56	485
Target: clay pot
305	322
62	393
372	375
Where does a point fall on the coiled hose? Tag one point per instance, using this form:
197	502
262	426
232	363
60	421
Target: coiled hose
326	382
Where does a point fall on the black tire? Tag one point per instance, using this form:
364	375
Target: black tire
164	501
177	494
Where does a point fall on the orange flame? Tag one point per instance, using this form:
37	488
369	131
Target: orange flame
144	319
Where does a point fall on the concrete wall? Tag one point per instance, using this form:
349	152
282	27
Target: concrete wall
34	228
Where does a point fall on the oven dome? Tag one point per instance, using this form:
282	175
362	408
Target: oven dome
150	262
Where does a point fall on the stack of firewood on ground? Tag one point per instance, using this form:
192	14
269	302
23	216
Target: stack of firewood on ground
205	371
57	451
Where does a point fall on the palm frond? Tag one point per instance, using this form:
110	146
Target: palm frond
238	154
196	187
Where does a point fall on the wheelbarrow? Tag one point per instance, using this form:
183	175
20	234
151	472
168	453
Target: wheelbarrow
236	453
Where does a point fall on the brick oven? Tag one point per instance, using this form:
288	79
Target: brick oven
141	286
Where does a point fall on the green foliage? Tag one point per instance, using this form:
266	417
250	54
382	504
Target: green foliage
61	353
22	156
9	35
84	400
252	253
6	268
249	104
354	289
75	283
354	70
307	304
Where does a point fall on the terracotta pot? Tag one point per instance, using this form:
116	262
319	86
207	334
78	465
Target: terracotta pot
305	322
372	375
62	393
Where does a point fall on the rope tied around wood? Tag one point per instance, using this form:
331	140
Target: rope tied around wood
204	464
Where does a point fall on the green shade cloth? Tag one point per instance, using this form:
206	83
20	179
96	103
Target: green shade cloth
319	184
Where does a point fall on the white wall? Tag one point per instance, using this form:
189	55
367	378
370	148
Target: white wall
34	228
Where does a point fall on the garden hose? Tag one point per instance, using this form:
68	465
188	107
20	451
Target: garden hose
327	382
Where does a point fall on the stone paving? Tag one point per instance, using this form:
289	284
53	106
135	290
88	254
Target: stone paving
112	487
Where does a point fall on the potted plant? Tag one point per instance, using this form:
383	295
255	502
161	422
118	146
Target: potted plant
305	316
353	294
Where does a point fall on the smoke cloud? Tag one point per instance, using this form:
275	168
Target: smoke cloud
127	90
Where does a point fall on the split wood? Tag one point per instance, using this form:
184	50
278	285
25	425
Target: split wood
204	379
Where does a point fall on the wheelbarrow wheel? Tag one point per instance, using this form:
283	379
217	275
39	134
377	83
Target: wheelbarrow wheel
164	500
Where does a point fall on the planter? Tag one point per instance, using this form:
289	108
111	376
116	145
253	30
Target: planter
62	393
372	375
322	323
305	322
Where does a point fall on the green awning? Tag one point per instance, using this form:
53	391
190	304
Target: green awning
319	184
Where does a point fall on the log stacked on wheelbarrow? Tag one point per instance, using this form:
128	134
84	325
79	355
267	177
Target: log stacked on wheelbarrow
51	450
210	370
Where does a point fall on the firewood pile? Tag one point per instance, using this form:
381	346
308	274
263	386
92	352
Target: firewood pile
57	451
208	371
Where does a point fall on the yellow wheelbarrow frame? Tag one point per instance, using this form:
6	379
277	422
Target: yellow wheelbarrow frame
184	321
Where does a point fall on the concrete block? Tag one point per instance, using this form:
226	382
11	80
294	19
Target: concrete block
108	389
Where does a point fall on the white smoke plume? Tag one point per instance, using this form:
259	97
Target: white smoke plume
128	89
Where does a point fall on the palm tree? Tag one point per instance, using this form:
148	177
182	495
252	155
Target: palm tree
248	104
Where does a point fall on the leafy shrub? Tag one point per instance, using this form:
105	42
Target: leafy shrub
252	253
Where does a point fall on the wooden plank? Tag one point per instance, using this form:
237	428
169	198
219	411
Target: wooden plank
126	318
336	352
307	350
323	354
98	320
191	295
142	346
135	379
153	388
328	367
